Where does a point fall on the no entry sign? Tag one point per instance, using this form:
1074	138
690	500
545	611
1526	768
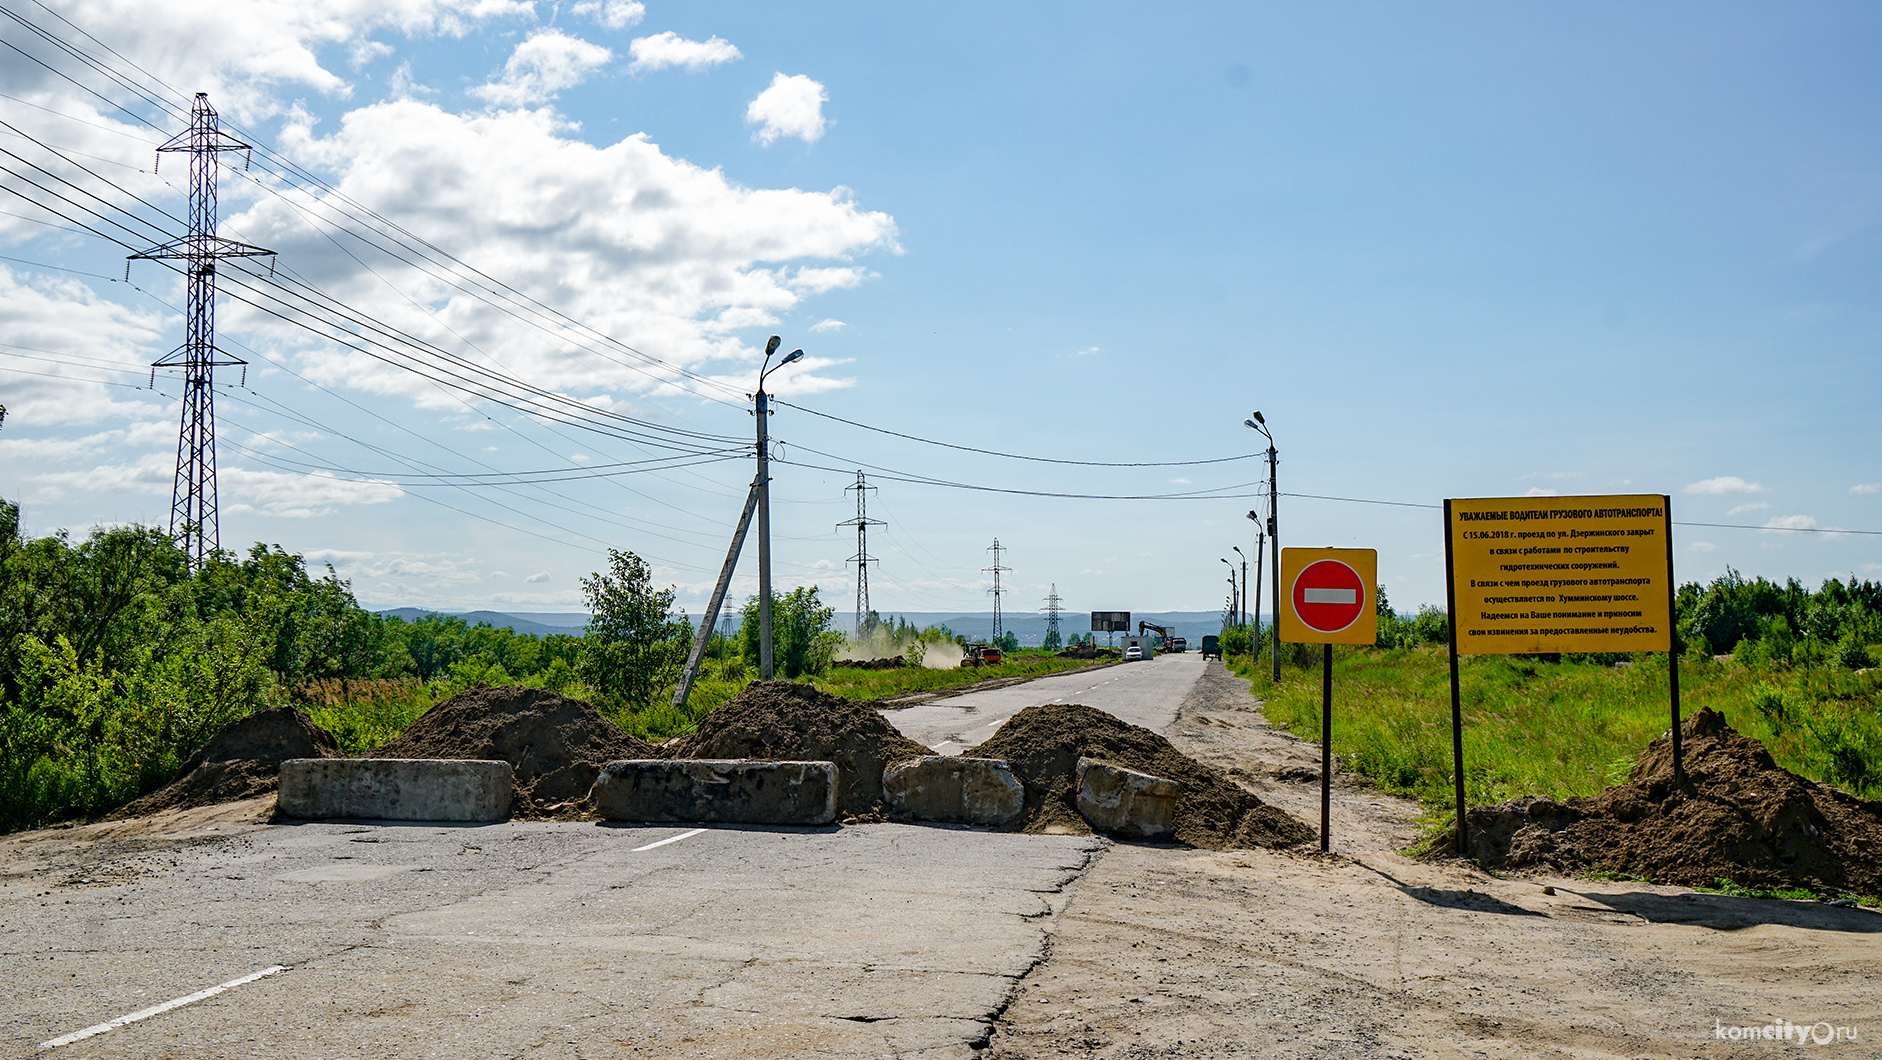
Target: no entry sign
1330	595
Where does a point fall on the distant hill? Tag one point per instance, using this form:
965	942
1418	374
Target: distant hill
538	624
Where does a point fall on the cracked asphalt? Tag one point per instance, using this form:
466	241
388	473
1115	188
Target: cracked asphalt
528	939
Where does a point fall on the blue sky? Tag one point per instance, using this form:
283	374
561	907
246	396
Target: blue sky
1449	250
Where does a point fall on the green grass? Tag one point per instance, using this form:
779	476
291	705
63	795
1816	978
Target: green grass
1566	728
880	684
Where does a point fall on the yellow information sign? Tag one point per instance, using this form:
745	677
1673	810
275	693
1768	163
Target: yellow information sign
1560	574
1329	595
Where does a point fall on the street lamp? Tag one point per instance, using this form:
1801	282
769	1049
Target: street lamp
1261	538
1235	596
766	663
1259	423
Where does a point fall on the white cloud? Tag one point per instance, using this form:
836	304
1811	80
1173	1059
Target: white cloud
539	578
62	343
1086	352
365	51
614	14
828	324
545	64
1703	546
629	240
297	496
663	50
1778	524
1557	476
1866	487
791	106
1723	485
1754	506
1538	491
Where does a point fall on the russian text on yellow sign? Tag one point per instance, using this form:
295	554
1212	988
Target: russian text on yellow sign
1364	562
1550	574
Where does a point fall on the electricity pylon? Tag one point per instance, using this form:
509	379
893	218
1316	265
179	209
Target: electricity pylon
862	523
996	590
193	518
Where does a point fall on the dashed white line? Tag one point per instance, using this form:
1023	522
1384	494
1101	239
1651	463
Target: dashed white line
668	839
158	1010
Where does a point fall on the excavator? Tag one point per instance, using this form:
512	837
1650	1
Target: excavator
1171	642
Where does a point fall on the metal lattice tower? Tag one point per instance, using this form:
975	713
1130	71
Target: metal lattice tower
996	590
1052	609
193	518
862	523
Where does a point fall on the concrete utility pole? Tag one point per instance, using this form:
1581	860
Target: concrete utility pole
767	667
691	671
1254	646
193	515
1259	423
862	523
1239	552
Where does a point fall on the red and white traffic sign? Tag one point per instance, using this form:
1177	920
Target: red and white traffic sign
1329	595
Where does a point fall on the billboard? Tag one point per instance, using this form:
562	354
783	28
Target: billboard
1110	621
1560	574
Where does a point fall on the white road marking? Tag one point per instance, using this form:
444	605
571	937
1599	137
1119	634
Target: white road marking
158	1010
669	839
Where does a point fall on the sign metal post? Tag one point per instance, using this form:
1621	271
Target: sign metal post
1331	599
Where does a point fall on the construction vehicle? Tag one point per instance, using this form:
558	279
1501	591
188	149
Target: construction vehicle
1171	642
1212	645
982	655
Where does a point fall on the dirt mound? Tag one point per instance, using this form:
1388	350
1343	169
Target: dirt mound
1740	817
786	721
1044	743
893	662
1088	653
242	761
555	745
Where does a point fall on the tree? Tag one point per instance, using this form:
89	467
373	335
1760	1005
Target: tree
633	646
802	641
1053	642
1008	642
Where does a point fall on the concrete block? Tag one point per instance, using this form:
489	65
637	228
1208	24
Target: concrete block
1125	802
396	789
683	790
966	790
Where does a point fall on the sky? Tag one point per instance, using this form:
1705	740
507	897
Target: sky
527	256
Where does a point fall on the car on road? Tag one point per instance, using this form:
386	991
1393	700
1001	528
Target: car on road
1133	654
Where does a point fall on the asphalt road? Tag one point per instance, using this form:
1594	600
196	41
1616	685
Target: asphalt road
532	939
1143	693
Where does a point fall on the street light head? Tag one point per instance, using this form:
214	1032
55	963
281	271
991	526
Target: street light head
1253	516
1237	548
772	346
1250	424
794	355
1258	418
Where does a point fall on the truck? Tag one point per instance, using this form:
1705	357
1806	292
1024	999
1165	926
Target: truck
1171	642
1211	645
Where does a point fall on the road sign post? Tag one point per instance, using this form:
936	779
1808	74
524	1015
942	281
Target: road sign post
1330	600
1558	574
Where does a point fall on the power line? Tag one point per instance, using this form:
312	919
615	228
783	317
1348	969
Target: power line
1017	456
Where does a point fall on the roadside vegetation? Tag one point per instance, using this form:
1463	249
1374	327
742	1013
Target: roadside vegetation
1789	667
117	660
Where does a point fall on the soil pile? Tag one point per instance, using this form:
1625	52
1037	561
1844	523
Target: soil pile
1088	653
786	721
1739	817
893	662
1044	743
555	745
242	761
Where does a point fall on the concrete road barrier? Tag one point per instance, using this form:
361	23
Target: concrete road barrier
964	790
396	789
1125	802
681	790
